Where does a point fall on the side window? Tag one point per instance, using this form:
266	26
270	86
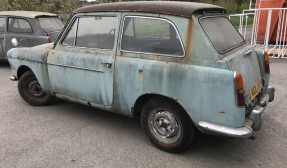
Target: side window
92	32
151	35
71	36
2	24
17	25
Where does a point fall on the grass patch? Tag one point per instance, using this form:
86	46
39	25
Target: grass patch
236	21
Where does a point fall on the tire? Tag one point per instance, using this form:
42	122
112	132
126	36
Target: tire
167	125
31	91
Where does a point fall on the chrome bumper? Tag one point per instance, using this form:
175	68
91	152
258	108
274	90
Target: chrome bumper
252	122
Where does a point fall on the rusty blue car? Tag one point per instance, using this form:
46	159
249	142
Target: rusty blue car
181	66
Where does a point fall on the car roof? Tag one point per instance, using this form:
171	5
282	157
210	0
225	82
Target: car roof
28	14
185	9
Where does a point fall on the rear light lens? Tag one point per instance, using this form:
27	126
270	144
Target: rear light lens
239	87
49	39
266	62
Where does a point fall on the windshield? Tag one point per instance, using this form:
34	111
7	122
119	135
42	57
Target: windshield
221	33
51	24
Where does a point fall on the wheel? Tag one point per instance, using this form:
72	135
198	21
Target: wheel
167	125
31	91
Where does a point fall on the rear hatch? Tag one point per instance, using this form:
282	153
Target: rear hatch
233	49
245	62
51	25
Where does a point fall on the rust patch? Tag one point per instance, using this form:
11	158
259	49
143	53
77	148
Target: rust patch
221	113
121	53
189	37
140	74
158	57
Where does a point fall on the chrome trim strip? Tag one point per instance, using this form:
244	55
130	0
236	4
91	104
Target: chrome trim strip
68	66
155	18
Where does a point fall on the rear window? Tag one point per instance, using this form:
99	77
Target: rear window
50	24
221	33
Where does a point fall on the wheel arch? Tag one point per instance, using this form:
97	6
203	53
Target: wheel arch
140	102
21	70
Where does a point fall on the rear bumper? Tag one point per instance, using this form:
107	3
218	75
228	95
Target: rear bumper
252	122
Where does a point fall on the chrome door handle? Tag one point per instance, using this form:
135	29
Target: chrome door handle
247	52
107	64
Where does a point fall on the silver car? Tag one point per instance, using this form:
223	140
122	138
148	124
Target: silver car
27	29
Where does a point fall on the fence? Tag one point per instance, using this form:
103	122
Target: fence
268	32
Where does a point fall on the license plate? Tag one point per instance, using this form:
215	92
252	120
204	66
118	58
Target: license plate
255	89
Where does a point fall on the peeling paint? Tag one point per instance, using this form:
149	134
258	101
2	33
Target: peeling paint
140	74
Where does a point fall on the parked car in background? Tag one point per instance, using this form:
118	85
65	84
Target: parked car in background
27	29
180	65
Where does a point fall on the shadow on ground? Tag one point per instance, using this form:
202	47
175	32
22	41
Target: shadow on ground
4	63
202	144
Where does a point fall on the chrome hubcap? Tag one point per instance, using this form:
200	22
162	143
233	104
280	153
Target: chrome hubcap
35	89
164	125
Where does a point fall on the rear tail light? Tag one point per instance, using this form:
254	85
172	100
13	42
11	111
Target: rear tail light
49	39
239	87
266	62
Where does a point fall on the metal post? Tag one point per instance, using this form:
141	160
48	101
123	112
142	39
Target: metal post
267	32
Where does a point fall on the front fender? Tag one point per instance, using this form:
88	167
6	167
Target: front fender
35	59
34	54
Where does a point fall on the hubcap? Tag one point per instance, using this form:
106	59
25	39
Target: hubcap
164	125
35	89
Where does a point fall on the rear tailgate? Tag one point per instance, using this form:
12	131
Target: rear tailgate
245	62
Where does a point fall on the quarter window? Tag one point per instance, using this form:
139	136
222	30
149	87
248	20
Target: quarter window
221	33
19	26
92	32
151	35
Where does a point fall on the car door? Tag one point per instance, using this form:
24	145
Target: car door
2	29
81	66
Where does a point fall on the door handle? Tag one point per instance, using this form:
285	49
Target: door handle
107	64
247	52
